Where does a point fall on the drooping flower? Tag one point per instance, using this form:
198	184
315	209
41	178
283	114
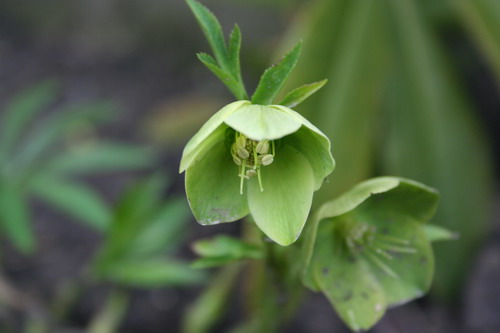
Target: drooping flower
262	160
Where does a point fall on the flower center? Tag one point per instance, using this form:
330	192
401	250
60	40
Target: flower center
377	247
250	156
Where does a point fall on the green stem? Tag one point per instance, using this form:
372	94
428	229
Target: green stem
111	315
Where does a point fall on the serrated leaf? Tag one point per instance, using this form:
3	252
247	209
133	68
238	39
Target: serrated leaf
227	78
104	157
300	94
234	50
212	31
20	111
153	273
14	217
76	200
275	77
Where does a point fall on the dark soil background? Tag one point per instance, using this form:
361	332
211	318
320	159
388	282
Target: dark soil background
143	56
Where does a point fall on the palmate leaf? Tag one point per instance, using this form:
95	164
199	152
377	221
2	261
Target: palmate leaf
275	77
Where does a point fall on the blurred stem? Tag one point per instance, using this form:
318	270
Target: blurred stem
270	281
37	319
210	306
111	315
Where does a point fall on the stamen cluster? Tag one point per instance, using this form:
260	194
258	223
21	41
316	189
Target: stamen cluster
250	155
376	247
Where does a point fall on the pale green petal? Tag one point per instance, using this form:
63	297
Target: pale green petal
213	187
259	122
202	138
281	210
313	144
347	283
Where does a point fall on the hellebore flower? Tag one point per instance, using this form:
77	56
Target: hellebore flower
262	160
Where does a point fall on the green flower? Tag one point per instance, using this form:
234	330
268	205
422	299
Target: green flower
262	160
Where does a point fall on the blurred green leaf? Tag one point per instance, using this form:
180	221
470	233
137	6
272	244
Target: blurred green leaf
76	200
164	232
222	249
432	137
481	17
300	94
100	158
345	42
209	307
43	138
132	213
20	111
149	273
14	217
274	78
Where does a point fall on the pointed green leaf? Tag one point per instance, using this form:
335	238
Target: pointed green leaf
259	122
275	77
436	233
300	94
163	232
43	138
14	217
212	31
133	211
222	250
20	111
213	187
227	78
153	273
76	200
281	210
234	50
209	133
104	157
